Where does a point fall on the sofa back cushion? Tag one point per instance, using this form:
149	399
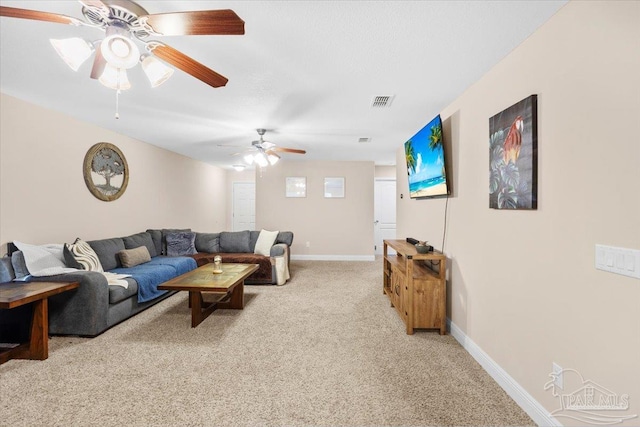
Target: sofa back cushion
141	239
6	270
235	241
208	242
107	251
285	237
156	237
253	239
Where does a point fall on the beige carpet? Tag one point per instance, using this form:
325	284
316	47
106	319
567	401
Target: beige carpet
325	349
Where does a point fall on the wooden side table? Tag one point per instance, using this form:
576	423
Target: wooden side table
15	294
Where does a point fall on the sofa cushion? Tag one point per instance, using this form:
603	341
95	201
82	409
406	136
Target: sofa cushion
133	257
181	264
156	237
6	270
285	237
119	293
253	239
235	241
181	243
148	278
19	265
141	239
265	241
208	242
107	251
80	255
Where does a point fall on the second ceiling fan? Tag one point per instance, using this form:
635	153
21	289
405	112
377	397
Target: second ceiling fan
264	153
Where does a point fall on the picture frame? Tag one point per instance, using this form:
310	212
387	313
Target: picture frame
296	186
334	187
106	172
513	156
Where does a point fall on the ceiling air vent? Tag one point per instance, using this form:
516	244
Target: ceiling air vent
381	101
364	139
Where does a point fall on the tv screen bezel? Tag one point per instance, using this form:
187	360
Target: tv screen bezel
422	137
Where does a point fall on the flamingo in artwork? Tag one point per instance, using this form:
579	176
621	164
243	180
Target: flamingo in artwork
513	141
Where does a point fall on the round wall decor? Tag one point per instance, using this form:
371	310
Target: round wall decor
106	172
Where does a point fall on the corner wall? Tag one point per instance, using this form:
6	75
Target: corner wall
336	229
43	197
522	284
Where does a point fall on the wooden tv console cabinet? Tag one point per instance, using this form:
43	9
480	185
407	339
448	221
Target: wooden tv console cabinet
416	285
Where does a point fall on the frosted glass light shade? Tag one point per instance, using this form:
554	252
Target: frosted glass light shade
115	78
156	71
74	51
249	159
261	159
118	49
273	158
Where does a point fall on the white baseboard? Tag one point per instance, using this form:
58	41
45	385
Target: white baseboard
532	407
333	257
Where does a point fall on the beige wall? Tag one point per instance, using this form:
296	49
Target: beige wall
335	228
385	172
43	197
522	284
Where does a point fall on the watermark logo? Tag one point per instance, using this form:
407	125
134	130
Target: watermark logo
587	402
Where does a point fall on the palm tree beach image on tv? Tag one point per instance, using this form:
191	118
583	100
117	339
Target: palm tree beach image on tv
424	153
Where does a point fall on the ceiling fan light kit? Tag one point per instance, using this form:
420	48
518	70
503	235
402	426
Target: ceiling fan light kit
115	78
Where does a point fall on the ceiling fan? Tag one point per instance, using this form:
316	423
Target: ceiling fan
264	153
126	22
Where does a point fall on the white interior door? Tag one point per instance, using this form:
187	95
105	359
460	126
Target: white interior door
244	206
384	212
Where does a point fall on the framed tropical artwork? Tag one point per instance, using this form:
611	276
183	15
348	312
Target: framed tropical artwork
513	156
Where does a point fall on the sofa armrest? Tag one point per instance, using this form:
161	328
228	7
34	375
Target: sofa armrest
278	249
82	311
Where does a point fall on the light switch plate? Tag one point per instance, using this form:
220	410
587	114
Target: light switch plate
618	260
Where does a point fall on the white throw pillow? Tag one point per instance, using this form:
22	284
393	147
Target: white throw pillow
265	241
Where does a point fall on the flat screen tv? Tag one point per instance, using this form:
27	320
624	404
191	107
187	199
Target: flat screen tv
424	153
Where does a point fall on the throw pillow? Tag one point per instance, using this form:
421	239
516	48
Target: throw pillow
166	231
18	264
135	256
181	243
7	273
235	242
265	241
81	256
140	239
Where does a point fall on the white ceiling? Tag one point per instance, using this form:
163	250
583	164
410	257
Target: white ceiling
306	71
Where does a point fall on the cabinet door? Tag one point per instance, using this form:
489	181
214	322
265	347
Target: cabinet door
397	290
428	304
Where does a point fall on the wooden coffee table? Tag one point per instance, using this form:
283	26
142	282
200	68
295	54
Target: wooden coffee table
15	294
209	291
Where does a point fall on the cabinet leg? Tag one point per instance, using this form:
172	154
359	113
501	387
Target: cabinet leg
409	330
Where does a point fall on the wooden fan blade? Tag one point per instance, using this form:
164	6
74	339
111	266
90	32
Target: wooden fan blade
186	64
37	15
205	22
288	150
98	65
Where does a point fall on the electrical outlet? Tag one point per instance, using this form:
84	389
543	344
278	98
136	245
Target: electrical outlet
558	379
308	244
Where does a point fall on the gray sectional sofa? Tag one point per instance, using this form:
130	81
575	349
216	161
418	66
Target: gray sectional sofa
95	306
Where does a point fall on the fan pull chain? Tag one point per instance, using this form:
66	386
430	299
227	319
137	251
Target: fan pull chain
117	104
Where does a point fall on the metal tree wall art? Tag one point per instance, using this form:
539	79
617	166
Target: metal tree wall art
106	172
513	157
